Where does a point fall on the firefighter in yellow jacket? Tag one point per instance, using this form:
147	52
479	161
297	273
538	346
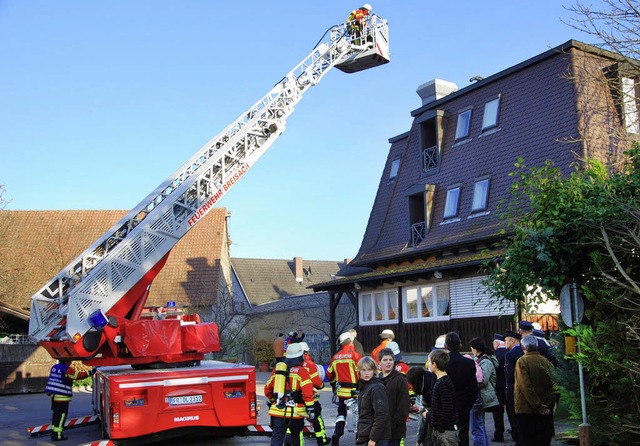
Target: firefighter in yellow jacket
59	388
289	391
356	23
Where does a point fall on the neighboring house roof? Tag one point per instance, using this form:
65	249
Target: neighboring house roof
314	300
266	280
36	245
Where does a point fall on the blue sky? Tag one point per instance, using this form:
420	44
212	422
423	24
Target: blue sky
101	101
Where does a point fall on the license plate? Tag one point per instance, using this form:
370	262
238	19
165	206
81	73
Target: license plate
182	400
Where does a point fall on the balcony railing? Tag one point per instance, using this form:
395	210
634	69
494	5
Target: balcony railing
418	233
429	158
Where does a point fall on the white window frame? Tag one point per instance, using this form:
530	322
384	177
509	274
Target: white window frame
370	297
463	126
395	168
481	195
408	293
491	114
630	105
451	208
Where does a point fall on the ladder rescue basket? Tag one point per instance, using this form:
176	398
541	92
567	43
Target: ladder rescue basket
369	50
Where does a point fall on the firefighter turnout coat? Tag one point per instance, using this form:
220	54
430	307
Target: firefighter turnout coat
298	394
343	370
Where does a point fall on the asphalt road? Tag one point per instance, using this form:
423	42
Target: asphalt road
18	412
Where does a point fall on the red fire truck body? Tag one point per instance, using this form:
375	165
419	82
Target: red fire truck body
136	403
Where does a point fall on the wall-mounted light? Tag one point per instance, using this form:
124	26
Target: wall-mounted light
437	274
357	286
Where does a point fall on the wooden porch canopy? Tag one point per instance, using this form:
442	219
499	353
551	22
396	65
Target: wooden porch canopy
351	285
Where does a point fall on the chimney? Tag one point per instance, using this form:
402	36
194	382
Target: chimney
435	89
297	268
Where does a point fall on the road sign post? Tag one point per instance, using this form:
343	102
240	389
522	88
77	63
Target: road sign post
572	311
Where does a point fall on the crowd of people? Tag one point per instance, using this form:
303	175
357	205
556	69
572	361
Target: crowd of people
452	393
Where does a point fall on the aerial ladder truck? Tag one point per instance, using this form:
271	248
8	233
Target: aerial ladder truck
91	310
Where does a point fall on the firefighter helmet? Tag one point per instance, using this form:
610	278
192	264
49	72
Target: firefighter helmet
395	348
294	350
344	337
367	6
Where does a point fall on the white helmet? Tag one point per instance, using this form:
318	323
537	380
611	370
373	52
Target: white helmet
305	346
367	6
344	337
395	348
294	351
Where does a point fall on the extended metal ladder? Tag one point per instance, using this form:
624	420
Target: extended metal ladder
98	278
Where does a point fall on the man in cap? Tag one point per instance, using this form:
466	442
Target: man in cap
526	328
514	352
534	395
343	374
386	336
289	406
498	414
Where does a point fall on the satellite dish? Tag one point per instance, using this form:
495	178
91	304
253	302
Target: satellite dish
571	308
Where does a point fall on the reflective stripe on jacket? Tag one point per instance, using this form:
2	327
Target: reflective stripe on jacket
312	368
342	370
300	386
58	383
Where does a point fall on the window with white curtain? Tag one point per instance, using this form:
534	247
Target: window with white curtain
378	306
480	195
426	302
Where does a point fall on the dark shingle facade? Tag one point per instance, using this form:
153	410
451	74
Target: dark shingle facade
425	268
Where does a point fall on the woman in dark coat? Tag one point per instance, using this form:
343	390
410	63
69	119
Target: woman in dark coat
373	406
